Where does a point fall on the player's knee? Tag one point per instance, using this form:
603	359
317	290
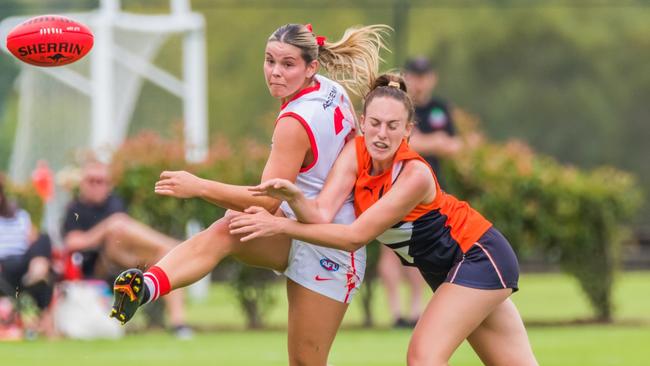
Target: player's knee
219	229
420	355
230	214
308	355
300	361
116	222
219	234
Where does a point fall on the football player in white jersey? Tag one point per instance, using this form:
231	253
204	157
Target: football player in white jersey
315	122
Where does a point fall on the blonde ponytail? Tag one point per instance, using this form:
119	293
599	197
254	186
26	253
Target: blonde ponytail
354	59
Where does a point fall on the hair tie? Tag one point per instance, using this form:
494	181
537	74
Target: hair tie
393	84
320	40
309	27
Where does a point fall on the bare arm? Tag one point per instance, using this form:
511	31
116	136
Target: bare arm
414	186
338	186
438	143
290	147
79	240
339	183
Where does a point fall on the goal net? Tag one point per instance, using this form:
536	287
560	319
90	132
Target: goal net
121	87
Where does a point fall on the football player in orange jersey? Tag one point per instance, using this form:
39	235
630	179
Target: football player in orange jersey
466	261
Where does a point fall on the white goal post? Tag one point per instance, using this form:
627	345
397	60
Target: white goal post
90	104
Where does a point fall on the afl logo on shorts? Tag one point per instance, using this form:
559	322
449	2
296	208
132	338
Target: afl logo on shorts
329	265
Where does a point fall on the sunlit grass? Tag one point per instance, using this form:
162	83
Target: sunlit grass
550	297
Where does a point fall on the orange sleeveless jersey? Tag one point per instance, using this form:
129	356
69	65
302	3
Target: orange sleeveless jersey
446	221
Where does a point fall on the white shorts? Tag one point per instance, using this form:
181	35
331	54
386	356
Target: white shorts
334	273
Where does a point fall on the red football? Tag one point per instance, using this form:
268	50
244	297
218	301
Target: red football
50	40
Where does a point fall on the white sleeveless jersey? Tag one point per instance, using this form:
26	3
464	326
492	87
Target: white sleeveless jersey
326	113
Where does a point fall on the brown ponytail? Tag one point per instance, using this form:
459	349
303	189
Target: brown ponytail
393	86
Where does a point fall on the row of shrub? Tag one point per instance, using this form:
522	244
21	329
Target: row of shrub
576	219
25	196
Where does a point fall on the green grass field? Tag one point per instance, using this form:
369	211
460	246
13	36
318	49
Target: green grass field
543	298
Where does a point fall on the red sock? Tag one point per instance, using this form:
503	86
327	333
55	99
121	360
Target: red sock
158	283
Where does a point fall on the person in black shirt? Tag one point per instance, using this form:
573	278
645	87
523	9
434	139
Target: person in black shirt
97	230
82	216
435	134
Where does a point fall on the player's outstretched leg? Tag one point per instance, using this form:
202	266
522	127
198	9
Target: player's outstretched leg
128	293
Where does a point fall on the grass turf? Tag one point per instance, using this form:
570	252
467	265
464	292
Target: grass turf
547	297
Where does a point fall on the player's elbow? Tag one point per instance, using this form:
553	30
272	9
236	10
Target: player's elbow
453	147
320	218
271	205
356	241
325	213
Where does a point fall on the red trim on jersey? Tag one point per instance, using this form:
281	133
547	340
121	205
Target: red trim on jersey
338	120
351	278
312	139
307	90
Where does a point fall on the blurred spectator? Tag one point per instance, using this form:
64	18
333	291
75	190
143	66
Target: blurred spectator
434	135
25	261
105	240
